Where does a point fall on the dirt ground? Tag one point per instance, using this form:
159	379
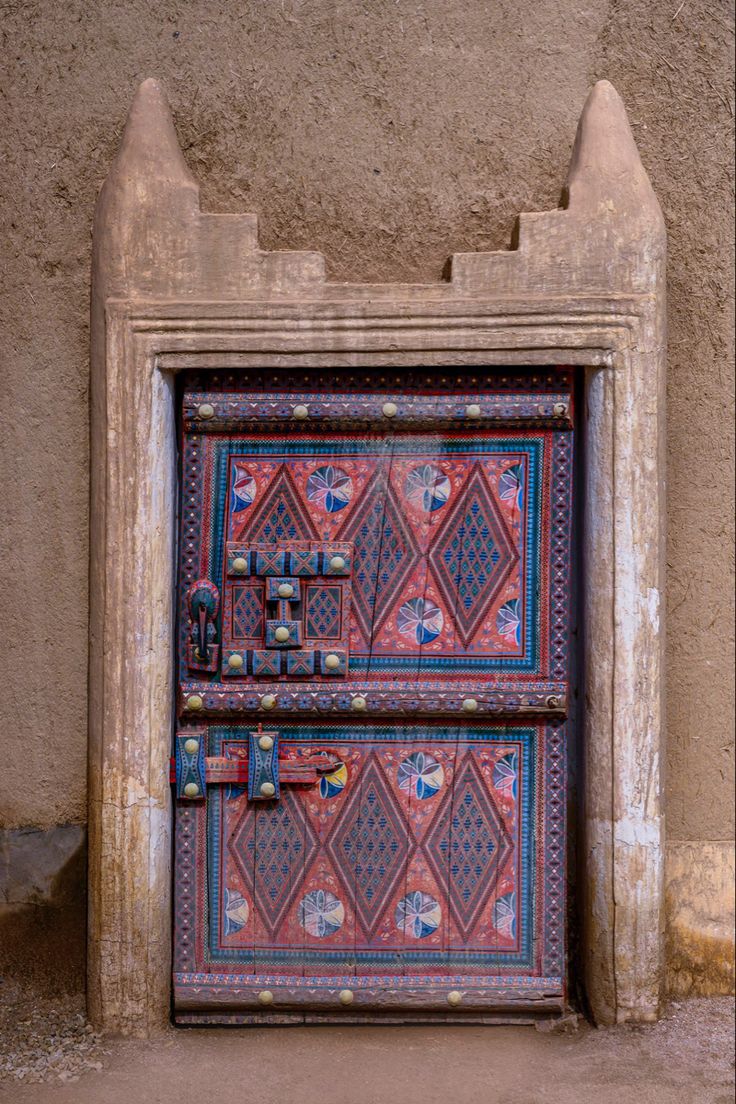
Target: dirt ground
687	1058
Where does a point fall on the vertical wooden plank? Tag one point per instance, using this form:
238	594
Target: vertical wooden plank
449	826
419	909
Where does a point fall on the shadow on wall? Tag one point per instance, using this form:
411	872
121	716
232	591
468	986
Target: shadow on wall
43	905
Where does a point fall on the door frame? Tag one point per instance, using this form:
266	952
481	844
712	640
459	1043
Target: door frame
175	289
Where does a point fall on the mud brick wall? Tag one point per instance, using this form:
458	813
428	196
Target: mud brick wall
385	135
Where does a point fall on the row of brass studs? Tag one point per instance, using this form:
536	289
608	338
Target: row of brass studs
389	410
347	996
332	661
359	704
240	565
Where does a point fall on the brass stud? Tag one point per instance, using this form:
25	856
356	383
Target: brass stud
265	996
268	701
286	590
205	411
454	997
235	661
194	702
346	996
191	747
358	704
472	411
281	634
470	705
559	410
268	789
265	743
240	565
390	410
300	412
337	563
332	662
191	789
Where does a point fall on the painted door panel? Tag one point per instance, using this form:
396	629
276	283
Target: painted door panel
458	580
415	563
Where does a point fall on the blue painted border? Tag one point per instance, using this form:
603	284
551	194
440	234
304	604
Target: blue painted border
228	447
260	957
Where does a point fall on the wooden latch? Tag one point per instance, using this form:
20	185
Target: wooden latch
263	773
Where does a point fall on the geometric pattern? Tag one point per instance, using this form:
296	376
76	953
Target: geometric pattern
329	488
472	555
248	612
421	579
427	488
296	914
385	554
434	850
418	914
271	845
243	489
420	619
387	875
370	845
467	844
281	515
322	615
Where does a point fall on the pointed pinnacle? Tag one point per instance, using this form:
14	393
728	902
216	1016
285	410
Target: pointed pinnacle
605	165
150	149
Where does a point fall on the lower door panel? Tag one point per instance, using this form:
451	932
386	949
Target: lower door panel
423	877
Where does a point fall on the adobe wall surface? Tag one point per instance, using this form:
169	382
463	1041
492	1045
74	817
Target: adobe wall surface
385	135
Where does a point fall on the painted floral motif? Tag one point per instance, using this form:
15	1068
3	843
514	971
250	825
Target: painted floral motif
329	488
427	488
418	915
243	489
332	784
421	619
506	774
504	915
321	913
508	621
420	775
236	911
511	485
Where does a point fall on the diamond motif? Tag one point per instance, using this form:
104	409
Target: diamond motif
371	845
248	612
385	554
322	620
281	515
472	555
272	845
467	843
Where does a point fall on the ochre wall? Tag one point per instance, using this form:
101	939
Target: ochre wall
385	135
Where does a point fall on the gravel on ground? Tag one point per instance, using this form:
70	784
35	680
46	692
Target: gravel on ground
45	1038
49	1054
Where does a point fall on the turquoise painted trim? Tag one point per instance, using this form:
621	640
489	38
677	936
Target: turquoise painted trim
282	955
532	446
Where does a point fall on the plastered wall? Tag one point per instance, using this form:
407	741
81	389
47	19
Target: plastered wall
386	135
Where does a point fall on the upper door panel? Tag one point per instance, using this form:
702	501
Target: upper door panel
399	552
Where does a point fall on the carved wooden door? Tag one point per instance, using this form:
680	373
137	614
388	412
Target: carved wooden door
370	757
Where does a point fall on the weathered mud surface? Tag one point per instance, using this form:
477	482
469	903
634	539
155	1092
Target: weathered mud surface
687	1058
